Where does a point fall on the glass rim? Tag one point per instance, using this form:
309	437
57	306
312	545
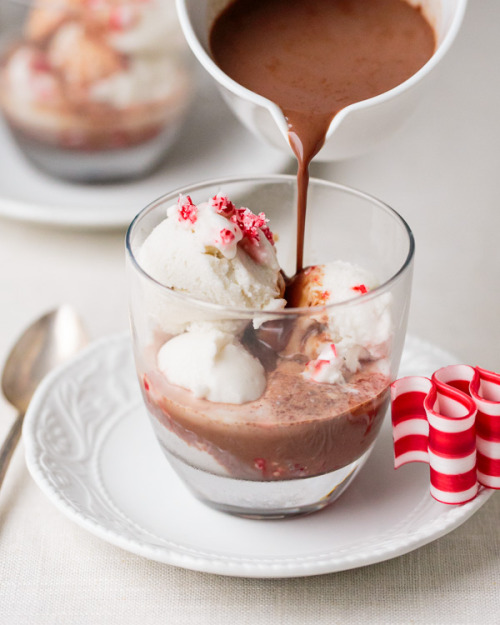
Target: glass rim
284	312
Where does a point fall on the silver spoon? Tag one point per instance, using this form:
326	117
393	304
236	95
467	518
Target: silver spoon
48	342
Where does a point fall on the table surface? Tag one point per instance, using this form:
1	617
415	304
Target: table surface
440	172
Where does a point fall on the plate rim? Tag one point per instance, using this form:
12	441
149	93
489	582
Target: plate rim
323	563
44	214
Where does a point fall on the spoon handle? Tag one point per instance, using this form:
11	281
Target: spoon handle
9	445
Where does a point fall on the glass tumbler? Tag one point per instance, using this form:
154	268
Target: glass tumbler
94	90
300	444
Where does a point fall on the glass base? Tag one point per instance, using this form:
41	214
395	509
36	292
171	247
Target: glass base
266	500
96	166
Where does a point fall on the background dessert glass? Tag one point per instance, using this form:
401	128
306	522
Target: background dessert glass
299	446
94	90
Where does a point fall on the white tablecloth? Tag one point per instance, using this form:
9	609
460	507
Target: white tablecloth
441	172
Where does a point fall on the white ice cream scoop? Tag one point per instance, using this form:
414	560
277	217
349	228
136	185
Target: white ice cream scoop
213	251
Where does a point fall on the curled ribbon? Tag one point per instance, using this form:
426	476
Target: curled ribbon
452	422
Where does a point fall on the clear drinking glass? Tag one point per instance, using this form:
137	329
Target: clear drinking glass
94	91
296	448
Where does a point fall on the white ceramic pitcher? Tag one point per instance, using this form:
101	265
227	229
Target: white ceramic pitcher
355	129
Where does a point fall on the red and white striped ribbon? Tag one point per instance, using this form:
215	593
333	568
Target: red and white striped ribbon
451	422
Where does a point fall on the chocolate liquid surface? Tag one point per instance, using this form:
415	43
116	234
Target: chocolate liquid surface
314	57
296	429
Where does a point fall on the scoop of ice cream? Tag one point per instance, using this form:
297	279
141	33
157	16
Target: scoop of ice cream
143	80
45	18
334	282
130	26
339	338
80	57
212	365
214	252
28	77
145	27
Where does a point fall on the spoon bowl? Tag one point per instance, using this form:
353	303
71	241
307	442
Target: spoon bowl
47	343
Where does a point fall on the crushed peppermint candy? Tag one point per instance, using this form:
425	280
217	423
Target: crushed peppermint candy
222	205
186	209
309	269
122	17
260	464
327	367
360	288
314	366
250	224
242	225
40	62
226	236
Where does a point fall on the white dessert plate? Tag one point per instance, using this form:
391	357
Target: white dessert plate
90	448
213	143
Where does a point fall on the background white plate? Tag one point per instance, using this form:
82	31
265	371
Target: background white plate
91	449
212	143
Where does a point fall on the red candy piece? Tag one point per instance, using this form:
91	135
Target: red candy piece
121	18
315	366
226	236
223	205
187	210
268	234
260	464
249	224
361	288
40	63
